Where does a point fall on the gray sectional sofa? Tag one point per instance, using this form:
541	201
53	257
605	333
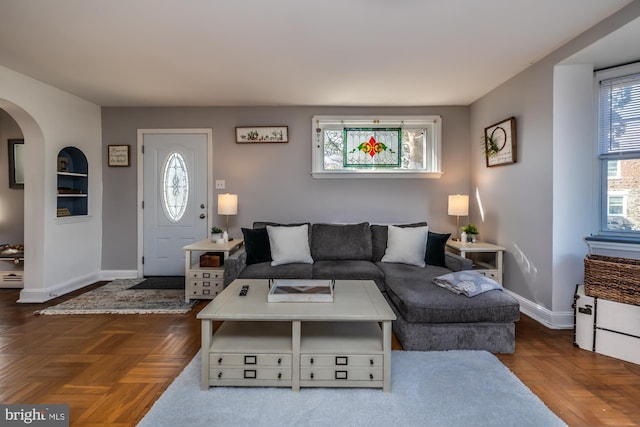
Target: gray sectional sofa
429	317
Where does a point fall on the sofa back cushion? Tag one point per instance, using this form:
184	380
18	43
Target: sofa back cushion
341	242
379	235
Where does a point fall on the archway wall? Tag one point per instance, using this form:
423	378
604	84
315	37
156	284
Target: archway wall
61	254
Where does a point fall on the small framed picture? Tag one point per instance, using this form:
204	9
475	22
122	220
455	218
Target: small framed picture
119	155
261	134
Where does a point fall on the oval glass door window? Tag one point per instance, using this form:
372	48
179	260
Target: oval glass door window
175	185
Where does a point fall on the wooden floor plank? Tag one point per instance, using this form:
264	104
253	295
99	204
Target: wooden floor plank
110	369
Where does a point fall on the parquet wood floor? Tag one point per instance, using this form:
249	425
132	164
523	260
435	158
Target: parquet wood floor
110	369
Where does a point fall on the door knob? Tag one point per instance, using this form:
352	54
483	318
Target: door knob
202	216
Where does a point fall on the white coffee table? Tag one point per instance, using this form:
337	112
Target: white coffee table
283	344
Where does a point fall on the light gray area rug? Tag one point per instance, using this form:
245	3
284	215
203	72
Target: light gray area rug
117	297
443	388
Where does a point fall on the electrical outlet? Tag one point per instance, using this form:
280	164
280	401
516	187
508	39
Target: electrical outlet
219	184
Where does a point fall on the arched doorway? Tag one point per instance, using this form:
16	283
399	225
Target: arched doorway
33	189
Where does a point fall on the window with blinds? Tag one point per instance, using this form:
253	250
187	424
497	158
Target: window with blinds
619	149
620	115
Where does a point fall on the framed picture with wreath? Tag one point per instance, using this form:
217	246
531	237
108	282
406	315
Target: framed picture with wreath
499	143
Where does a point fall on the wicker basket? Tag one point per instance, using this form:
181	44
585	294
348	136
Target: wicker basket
613	279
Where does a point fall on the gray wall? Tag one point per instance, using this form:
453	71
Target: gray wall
11	199
273	181
542	207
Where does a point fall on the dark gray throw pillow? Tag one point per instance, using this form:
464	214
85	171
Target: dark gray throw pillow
436	244
256	244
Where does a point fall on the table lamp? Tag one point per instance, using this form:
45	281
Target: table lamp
458	206
227	205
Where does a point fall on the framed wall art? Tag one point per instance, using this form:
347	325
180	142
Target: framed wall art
261	134
16	163
119	155
500	143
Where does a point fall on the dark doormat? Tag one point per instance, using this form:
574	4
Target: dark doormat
161	282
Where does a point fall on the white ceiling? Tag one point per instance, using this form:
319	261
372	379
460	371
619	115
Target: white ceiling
285	52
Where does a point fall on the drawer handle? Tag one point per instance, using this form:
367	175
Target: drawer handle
220	361
311	375
311	361
250	374
371	362
342	360
279	361
341	375
279	375
219	374
370	376
251	360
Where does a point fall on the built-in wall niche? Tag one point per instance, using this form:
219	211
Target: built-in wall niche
73	177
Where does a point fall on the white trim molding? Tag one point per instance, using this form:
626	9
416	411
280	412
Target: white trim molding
550	319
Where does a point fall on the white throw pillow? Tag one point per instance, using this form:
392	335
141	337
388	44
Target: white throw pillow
289	244
406	245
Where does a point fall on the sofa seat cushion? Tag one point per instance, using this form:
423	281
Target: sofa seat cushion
420	301
347	270
265	270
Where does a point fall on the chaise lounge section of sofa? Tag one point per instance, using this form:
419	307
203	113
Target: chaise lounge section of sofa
429	317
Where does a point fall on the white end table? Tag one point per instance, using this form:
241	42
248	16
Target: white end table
492	268
205	282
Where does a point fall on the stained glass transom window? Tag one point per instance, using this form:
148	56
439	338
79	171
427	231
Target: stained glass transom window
372	147
175	184
362	146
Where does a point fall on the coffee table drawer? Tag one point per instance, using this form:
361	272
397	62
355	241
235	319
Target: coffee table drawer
248	360
341	360
336	374
249	374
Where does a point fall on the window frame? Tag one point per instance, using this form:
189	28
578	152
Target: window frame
617	156
341	122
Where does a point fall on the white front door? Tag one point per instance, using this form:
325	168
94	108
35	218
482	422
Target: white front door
175	205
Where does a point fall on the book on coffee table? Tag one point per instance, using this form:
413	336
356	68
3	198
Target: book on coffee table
300	290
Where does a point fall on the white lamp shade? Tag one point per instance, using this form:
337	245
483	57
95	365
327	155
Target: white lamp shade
459	205
227	204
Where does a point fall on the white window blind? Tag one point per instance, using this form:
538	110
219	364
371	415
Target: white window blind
619	111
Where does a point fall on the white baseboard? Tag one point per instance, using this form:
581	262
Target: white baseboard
118	274
550	319
46	294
